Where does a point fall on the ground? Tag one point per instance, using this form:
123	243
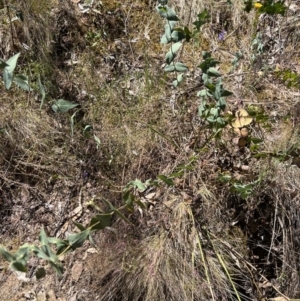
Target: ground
197	210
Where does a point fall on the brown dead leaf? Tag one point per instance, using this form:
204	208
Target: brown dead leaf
244	132
240	141
242	119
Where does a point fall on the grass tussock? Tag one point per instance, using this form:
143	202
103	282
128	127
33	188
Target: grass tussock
175	260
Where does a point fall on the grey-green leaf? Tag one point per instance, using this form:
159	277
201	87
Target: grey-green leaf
181	67
171	15
79	226
177	36
7	78
213	72
61	245
100	221
62	106
165	40
7	255
43	238
22	82
12	62
138	184
166	12
169	68
57	266
166	180
42	92
178	80
123	217
172	52
77	240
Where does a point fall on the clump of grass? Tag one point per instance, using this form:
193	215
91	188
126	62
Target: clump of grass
174	259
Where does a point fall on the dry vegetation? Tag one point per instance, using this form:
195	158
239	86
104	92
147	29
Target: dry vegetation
199	239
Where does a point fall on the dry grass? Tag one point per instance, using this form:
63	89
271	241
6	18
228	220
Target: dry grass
198	240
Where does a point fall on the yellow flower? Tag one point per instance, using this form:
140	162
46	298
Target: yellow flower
257	5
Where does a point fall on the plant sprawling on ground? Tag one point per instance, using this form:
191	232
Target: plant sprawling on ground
172	127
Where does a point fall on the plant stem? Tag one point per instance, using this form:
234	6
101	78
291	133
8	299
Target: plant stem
10	22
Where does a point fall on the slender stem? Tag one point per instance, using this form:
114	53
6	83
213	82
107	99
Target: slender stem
10	22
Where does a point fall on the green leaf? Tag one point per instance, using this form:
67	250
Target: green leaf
165	39
248	5
61	245
111	206
255	140
215	112
7	78
100	221
162	10
122	216
171	25
167	13
23	253
47	251
221	121
187	33
42	92
177	36
137	184
166	180
213	72
62	106
39	253
18	266
40	273
22	82
7	255
72	123
141	204
97	140
12	62
172	52
273	8
169	68
180	67
178	80
79	226
87	129
221	103
225	93
2	65
224	178
77	240
129	199
57	266
171	15
203	18
202	93
208	62
243	190
43	238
